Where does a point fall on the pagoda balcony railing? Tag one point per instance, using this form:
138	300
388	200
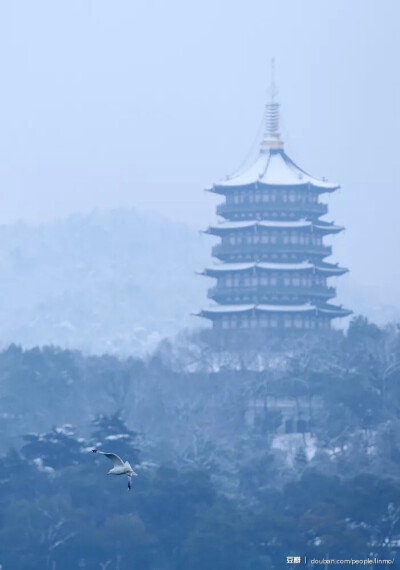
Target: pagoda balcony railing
226	210
264	291
264	250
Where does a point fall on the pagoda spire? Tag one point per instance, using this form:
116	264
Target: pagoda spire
271	139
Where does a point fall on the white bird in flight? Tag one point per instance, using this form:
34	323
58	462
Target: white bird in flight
120	467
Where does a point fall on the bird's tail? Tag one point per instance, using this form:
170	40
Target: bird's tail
129	482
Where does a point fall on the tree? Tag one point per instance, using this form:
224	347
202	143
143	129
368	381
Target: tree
55	449
110	433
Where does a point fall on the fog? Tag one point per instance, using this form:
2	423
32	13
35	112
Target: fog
107	105
269	448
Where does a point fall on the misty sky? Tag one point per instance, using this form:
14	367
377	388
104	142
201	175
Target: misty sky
143	104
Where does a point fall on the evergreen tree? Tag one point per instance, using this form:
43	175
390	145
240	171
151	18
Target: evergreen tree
111	433
58	448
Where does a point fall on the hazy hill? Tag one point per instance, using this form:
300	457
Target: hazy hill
118	281
112	281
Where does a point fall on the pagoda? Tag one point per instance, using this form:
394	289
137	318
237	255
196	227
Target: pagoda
272	272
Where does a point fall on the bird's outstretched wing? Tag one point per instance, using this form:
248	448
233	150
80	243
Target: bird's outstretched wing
117	461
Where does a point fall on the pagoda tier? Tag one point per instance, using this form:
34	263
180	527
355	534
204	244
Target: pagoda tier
271	246
306	316
271	240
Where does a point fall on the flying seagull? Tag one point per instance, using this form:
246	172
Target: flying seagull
120	467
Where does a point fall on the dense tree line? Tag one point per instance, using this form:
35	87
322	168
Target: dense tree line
60	511
214	490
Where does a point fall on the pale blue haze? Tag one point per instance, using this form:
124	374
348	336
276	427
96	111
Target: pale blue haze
108	104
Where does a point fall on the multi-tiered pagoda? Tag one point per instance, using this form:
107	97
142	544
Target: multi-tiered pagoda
271	272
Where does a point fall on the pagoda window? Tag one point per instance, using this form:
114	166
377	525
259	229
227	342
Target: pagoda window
228	282
286	281
298	323
273	281
287	322
294	238
254	281
264	280
296	281
292	196
273	322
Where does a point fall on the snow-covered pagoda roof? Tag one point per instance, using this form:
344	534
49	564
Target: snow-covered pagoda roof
319	225
329	268
213	312
273	168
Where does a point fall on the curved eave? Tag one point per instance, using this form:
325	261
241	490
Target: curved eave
333	270
331	312
322	227
334	312
273	169
327	228
217	270
224	189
